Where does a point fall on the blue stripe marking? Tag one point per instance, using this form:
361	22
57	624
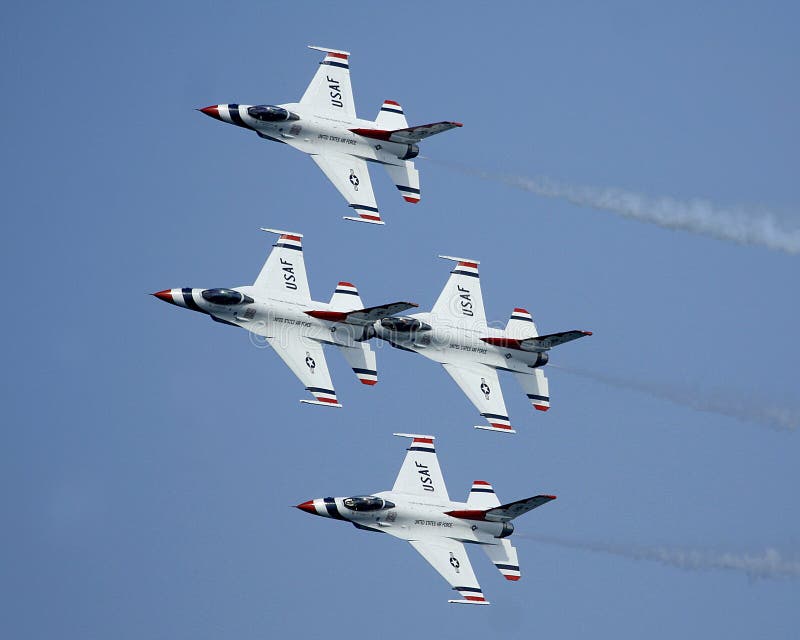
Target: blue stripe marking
533	396
367	371
364	207
332	509
482	491
408	189
288	246
391	110
321	390
343	65
428	449
188	300
350	293
523	318
464	273
233	110
470	589
494	415
510	567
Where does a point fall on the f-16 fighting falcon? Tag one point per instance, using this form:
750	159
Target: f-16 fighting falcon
455	334
276	306
324	125
418	510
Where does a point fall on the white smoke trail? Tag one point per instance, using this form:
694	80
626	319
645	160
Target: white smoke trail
742	406
768	563
743	225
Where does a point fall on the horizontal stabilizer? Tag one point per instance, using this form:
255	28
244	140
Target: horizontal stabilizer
540	343
409	135
363	317
503	513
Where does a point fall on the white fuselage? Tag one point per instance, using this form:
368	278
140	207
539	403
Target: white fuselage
412	518
447	343
270	318
316	134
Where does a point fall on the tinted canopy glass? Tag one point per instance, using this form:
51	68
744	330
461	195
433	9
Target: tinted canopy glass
225	297
367	503
404	324
268	113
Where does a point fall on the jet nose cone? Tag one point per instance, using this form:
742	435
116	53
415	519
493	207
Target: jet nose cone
212	111
165	295
307	506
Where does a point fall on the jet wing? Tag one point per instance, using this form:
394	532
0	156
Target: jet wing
450	559
539	343
330	92
461	302
306	359
420	474
283	276
362	317
350	175
482	387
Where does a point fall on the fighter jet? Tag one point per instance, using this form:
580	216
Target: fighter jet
325	126
455	334
418	510
276	306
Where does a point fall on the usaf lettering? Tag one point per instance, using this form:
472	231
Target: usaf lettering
466	301
335	92
289	279
424	477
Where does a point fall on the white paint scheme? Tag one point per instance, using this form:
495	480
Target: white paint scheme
276	308
419	510
324	125
455	334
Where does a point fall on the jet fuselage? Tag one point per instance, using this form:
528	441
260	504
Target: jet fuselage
297	126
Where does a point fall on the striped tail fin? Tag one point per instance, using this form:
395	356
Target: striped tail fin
521	325
345	298
391	116
482	497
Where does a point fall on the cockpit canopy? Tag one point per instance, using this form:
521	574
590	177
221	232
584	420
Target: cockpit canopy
404	325
367	503
268	113
225	297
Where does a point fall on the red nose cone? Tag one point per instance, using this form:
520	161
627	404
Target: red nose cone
308	507
165	295
212	111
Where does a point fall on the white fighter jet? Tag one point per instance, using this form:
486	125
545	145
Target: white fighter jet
325	126
278	307
418	510
455	334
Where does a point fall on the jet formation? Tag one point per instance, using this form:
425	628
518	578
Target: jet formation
418	510
324	125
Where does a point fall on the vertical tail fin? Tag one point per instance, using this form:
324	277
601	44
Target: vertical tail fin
391	116
521	325
406	179
482	497
536	387
345	298
504	557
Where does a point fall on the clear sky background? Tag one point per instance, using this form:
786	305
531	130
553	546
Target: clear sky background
150	456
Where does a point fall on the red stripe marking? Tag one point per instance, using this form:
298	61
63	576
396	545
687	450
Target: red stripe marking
331	400
474	265
411	199
467	514
508	343
331	316
481	482
378	134
506	427
540	407
369	382
342	56
475	598
424	440
520	310
515	578
369	217
347	284
396	104
288	237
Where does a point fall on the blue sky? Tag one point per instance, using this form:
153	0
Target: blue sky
150	456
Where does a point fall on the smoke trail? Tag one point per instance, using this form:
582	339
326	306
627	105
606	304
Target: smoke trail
743	225
742	406
765	564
